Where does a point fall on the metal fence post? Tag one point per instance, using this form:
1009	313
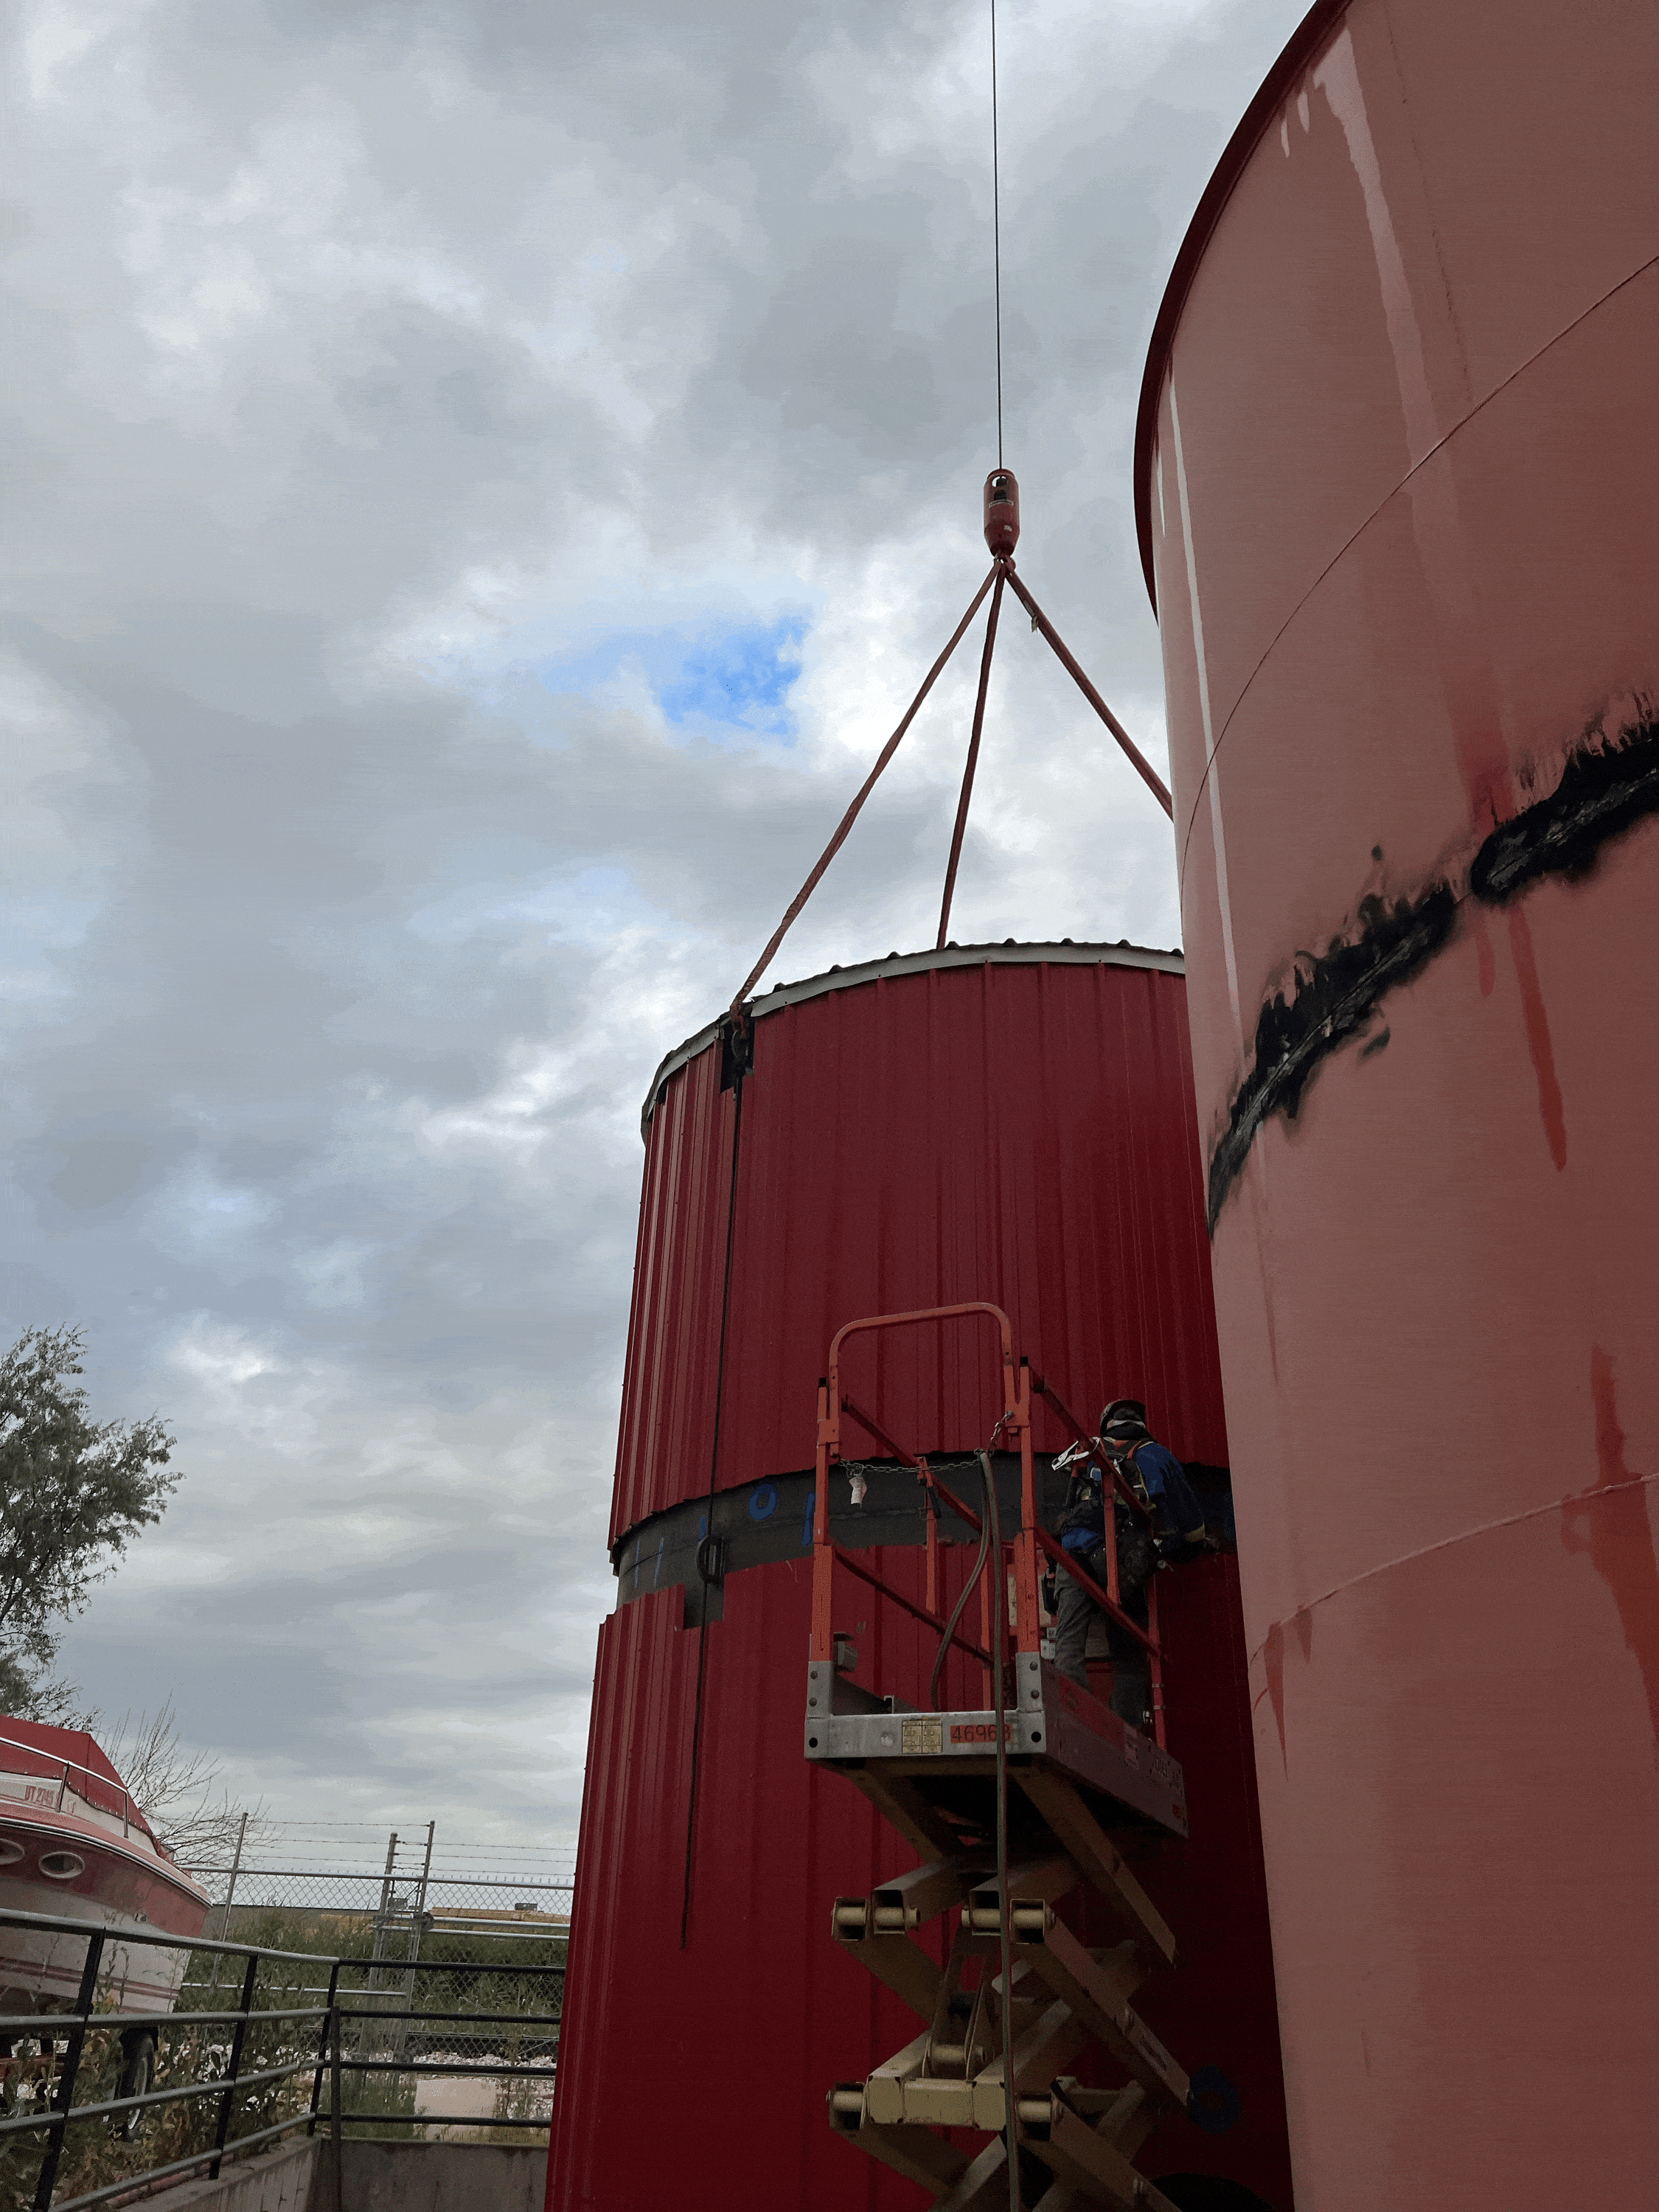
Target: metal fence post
66	2095
227	2102
323	2046
336	2150
224	1914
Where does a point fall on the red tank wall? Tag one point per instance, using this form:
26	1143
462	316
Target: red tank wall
906	1143
1020	1132
1405	448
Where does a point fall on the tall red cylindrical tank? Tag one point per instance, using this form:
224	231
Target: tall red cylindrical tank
1010	1122
1397	476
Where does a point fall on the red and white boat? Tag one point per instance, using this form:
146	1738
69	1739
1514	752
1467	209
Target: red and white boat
74	1844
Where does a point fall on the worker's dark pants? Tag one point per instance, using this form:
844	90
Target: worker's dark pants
1132	1672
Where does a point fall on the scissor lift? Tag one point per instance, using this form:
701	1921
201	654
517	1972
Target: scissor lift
1010	1806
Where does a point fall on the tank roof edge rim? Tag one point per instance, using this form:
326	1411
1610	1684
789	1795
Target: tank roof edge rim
910	963
1297	51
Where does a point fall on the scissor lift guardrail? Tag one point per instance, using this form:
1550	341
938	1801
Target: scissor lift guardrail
1011	1807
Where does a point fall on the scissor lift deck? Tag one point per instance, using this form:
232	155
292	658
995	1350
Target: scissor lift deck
1055	1726
1004	1840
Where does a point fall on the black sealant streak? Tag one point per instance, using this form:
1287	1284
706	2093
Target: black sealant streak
1607	786
1335	996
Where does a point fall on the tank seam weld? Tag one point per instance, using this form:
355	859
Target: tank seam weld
1591	1497
1360	529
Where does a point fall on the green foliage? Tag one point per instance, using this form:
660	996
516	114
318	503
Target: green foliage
73	1493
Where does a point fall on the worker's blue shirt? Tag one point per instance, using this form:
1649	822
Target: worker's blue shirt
1176	1508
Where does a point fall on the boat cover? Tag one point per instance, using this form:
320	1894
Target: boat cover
32	1747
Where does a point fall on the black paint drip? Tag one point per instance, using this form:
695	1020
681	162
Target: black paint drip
1604	790
1333	1000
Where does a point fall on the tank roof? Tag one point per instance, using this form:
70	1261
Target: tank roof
1299	50
1009	953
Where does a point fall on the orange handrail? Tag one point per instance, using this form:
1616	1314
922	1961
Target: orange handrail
1027	1549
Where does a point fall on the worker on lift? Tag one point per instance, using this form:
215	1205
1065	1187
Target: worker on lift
1177	1532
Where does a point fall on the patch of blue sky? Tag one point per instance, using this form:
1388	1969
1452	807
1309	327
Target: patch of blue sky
712	683
591	906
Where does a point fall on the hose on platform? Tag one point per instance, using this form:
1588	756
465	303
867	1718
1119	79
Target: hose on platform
967	1587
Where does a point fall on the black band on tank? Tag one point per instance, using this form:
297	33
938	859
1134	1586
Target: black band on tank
760	1523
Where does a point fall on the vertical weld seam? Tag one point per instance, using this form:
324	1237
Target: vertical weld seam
714	1476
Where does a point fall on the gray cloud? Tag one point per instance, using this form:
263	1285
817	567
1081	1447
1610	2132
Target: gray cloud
410	405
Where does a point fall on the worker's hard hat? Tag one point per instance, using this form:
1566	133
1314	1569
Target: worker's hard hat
1124	1417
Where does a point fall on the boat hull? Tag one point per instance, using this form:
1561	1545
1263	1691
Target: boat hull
118	1887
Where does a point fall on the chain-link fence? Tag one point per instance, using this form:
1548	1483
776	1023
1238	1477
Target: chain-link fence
364	1873
98	2103
452	1968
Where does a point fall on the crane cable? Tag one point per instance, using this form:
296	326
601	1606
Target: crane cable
996	224
990	1547
999	1617
1002	571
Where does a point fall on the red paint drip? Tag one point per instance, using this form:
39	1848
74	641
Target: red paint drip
1273	1658
1618	1536
1538	1036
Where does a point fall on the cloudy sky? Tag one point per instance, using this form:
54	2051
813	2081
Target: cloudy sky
484	478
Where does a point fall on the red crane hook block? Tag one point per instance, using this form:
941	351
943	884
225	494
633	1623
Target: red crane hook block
1002	511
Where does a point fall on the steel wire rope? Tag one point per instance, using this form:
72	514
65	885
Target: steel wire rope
990	1534
965	800
996	224
999	1640
862	794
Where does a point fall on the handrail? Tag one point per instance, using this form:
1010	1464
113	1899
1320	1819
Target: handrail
1107	1603
55	1924
1031	1545
236	2074
928	1618
1014	1426
74	1766
921	1313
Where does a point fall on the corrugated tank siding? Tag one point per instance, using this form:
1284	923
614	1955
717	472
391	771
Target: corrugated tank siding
717	2057
1412	654
1020	1134
1023	1132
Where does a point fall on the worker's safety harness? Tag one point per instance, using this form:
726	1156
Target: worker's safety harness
1085	1510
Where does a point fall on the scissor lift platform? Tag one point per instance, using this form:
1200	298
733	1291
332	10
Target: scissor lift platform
1007	1831
1054	1728
1071	1767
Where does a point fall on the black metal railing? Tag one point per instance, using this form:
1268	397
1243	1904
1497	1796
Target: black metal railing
331	2039
539	2029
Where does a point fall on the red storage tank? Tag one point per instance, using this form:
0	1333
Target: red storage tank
1012	1123
1397	476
